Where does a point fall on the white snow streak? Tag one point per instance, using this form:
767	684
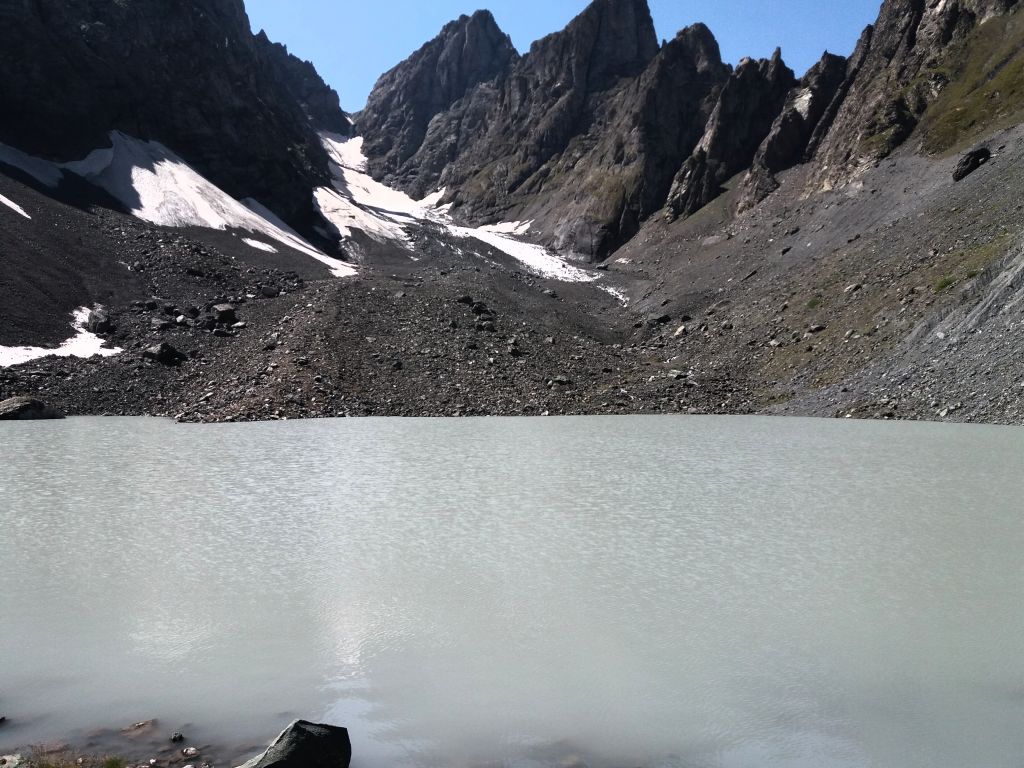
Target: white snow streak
358	202
258	245
157	186
14	206
82	344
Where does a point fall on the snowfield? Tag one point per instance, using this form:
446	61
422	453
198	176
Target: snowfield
358	202
157	186
82	344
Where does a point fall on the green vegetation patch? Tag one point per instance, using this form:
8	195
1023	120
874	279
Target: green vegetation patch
986	88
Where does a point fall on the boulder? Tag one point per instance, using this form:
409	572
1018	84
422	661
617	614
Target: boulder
27	409
164	354
306	745
99	322
224	313
971	162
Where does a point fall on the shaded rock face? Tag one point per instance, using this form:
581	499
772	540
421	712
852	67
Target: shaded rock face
320	103
188	74
897	71
26	409
744	115
971	162
307	745
791	133
394	123
594	196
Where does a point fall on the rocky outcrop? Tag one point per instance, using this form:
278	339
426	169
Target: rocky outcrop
594	196
791	133
745	113
189	75
901	66
306	745
27	409
303	83
468	51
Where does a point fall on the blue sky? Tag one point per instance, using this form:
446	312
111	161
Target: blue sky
353	42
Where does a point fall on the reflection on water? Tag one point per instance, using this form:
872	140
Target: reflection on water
684	592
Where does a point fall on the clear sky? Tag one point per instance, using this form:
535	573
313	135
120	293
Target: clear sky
353	42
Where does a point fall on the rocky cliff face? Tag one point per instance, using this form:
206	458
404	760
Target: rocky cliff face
468	51
901	66
303	83
597	128
190	75
746	110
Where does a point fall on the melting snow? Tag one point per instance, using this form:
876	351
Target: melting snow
519	228
157	186
258	245
14	206
358	202
82	344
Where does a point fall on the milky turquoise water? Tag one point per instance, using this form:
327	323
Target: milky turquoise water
729	592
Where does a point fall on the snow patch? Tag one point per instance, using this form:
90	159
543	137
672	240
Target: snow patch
157	186
431	200
358	202
519	228
82	344
258	245
617	293
14	206
536	258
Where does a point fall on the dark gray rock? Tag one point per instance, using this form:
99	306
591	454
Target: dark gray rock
191	77
971	162
787	142
320	103
225	314
164	354
306	745
468	51
99	322
27	409
749	104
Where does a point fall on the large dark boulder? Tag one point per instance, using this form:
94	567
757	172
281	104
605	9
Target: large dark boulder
164	353
27	409
971	162
307	745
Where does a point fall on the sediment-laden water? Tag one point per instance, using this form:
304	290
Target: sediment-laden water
728	592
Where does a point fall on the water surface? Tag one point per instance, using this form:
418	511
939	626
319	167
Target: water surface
690	592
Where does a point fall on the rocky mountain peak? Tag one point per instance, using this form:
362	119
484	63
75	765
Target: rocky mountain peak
300	79
609	40
468	51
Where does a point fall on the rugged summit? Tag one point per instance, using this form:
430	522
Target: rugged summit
468	51
303	83
746	109
190	75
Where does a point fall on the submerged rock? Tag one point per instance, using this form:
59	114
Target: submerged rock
307	745
27	409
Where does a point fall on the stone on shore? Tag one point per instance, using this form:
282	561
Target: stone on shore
27	409
307	745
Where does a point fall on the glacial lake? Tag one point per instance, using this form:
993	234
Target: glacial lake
720	592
